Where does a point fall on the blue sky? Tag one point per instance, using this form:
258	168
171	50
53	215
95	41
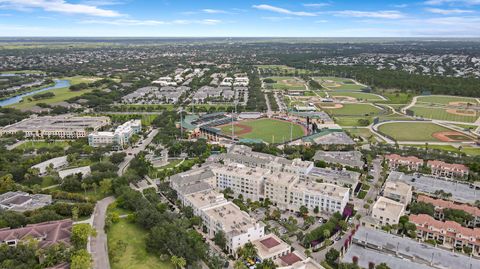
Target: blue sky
199	18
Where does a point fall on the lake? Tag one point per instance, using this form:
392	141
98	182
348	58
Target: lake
59	83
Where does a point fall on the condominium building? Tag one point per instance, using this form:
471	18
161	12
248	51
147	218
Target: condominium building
242	180
63	126
278	186
327	197
398	191
343	178
120	137
387	212
46	234
449	170
396	161
450	234
440	205
270	247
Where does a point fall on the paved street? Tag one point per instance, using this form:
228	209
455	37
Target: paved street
98	244
132	152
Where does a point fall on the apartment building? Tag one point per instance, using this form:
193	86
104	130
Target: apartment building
63	126
448	170
440	205
396	161
343	178
242	180
387	211
270	247
327	197
398	191
278	186
120	137
449	234
45	233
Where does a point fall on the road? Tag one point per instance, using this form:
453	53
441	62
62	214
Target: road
98	244
267	101
132	152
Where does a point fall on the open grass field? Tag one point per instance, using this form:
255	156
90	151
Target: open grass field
353	110
121	118
135	255
417	131
287	83
363	132
396	97
472	151
359	96
281	70
22	72
268	130
442	113
42	144
445	100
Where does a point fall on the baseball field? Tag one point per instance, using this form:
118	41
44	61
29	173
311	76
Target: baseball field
268	130
421	131
287	83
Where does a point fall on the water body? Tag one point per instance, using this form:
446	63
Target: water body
8	75
59	83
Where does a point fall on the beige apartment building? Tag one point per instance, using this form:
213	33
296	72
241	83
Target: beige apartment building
398	191
387	211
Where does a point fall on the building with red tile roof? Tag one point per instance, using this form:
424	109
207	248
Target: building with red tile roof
396	161
271	247
450	234
46	233
449	170
440	205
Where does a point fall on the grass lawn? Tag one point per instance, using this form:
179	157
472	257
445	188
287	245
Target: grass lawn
42	144
47	181
145	107
412	131
473	151
445	100
362	132
358	95
287	83
135	255
353	110
440	113
121	118
336	83
396	98
350	120
268	130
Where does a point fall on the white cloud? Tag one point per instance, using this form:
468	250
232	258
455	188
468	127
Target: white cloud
448	11
381	14
276	19
317	5
462	2
59	6
214	11
283	10
128	22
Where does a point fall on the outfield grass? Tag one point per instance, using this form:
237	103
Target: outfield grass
358	96
135	255
353	110
291	83
396	98
336	83
362	132
440	113
412	131
445	100
268	130
350	120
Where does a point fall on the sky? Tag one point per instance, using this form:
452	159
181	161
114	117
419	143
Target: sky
247	18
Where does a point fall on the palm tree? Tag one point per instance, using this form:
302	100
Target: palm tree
326	234
178	261
239	265
84	187
248	251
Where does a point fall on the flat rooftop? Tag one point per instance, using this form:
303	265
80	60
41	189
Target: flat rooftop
270	245
233	220
67	122
461	192
350	158
324	188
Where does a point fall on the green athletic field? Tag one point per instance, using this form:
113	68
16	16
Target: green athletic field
336	83
412	131
268	130
445	100
353	110
440	113
287	83
359	96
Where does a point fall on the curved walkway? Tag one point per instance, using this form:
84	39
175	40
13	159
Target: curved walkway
98	244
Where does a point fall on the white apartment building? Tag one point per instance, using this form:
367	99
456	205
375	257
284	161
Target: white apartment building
398	191
387	211
242	180
327	197
119	137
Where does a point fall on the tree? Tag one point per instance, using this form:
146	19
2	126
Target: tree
116	250
7	183
220	239
81	259
94	186
382	266
84	187
239	265
248	251
326	234
422	208
106	186
80	234
75	213
316	210
332	256
266	264
178	261
303	210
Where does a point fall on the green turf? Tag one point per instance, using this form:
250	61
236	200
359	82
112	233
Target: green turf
412	131
440	113
121	118
354	110
358	96
396	97
445	100
336	83
473	151
292	83
135	255
268	130
350	120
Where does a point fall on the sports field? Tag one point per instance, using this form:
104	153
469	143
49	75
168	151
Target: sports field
336	83
446	100
351	109
268	130
358	95
421	131
445	113
287	83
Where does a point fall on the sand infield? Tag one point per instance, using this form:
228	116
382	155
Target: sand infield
450	136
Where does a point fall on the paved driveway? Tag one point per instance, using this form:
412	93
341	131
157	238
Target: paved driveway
98	244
